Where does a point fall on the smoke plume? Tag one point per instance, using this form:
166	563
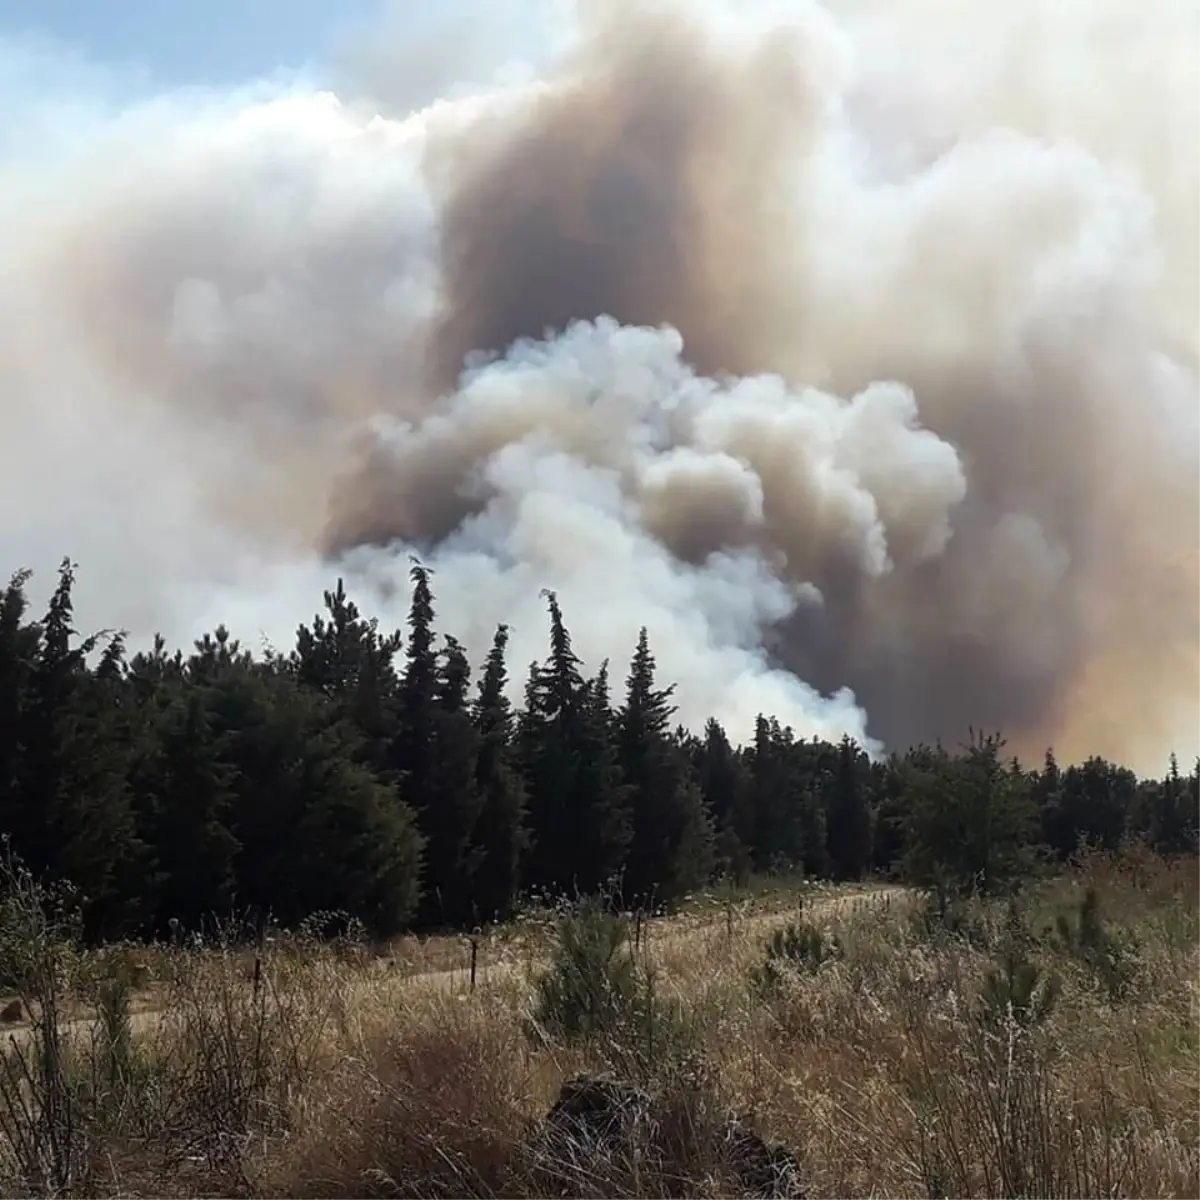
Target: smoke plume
852	349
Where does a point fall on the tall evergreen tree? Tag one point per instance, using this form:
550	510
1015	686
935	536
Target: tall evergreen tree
1057	823
20	642
453	800
74	816
887	815
348	660
1170	818
725	786
601	793
576	810
418	690
670	848
848	820
777	797
411	758
317	830
501	839
971	822
187	796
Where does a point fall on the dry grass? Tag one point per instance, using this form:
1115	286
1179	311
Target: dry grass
356	1075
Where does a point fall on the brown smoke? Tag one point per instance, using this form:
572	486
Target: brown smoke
648	187
838	352
645	185
657	182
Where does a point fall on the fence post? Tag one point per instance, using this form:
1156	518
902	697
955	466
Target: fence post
474	957
260	940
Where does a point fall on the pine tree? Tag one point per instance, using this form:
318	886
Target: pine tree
812	830
849	819
569	766
411	758
725	785
887	815
1057	823
19	647
670	848
418	688
971	822
317	829
348	660
452	797
1171	819
501	839
780	798
1111	791
1193	804
601	795
187	796
74	817
547	737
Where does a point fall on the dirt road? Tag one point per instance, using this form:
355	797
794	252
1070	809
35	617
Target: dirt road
677	932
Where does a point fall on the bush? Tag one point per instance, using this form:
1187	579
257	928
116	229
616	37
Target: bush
1016	989
940	920
592	985
594	991
1109	956
39	1110
798	948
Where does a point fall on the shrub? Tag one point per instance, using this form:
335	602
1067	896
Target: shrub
594	991
942	919
798	948
40	1115
1016	989
592	985
1109	956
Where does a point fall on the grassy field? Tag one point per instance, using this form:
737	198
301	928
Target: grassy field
1047	1052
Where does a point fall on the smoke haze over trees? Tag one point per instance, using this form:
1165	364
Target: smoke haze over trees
374	774
855	363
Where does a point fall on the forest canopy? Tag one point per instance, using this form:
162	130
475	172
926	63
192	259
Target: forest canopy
379	775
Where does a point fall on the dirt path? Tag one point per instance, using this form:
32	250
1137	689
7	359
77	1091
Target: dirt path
670	930
147	1013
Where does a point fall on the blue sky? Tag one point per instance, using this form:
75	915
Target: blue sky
189	42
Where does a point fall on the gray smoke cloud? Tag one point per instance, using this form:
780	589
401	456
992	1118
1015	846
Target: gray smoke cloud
851	348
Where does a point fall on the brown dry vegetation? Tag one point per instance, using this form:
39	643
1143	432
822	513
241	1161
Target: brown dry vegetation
343	1073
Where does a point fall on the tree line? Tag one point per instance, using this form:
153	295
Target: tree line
367	773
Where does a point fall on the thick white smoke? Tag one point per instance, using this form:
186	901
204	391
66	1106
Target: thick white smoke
877	403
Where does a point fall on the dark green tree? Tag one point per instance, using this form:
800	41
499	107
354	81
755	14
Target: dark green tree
186	795
725	785
1168	816
501	839
776	796
349	661
20	644
418	690
73	815
576	802
971	822
317	830
671	842
848	819
887	815
453	801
